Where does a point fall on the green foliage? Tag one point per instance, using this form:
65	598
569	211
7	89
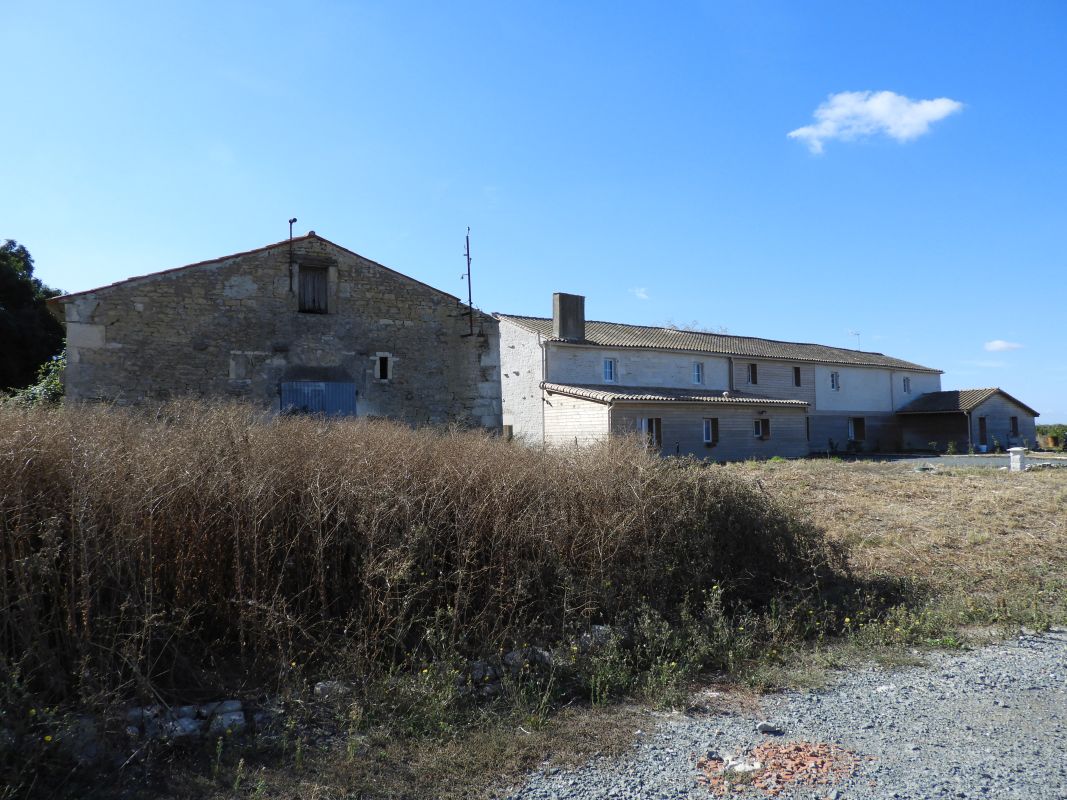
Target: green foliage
48	390
950	448
29	334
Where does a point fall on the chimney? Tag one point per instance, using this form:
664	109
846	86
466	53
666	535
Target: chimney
568	317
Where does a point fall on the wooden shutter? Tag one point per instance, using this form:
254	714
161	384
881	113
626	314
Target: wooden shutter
313	283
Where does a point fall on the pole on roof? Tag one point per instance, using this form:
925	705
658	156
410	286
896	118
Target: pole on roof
470	291
291	254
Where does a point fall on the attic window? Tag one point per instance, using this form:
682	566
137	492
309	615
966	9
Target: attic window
313	284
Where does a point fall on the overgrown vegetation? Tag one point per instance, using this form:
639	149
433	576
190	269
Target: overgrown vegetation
205	550
202	552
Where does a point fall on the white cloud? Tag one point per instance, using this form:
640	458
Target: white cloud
852	115
640	293
1000	346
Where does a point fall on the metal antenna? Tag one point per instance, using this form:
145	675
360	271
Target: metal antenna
857	335
291	254
470	292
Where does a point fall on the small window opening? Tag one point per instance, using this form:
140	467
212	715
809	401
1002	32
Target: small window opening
753	374
384	368
796	376
761	428
711	431
907	386
1014	426
313	286
835	381
698	372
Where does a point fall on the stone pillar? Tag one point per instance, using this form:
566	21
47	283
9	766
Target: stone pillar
1018	458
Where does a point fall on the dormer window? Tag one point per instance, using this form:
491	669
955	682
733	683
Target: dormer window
313	289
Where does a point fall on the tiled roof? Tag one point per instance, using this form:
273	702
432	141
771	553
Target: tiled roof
654	394
617	334
956	400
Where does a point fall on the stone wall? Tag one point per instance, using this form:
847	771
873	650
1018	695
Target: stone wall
232	328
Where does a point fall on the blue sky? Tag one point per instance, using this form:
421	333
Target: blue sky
634	153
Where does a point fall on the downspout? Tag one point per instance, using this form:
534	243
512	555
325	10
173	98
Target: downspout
544	376
970	437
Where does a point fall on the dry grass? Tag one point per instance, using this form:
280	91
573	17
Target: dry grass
988	533
205	550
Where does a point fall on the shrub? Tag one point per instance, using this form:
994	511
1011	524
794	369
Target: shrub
200	548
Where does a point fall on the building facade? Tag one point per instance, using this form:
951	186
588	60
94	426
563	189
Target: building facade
301	325
715	396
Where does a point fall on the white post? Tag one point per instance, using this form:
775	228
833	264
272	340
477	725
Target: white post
1018	458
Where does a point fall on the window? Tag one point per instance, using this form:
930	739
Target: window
907	386
383	366
313	284
611	370
983	431
698	372
1014	426
753	375
835	381
796	376
652	428
711	431
857	429
761	428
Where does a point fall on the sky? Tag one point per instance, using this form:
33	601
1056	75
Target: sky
884	176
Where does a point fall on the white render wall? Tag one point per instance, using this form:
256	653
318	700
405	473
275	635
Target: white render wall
575	422
869	389
575	364
520	382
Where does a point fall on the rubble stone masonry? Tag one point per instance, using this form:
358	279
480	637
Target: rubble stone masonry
232	328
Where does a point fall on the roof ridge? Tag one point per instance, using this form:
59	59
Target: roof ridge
703	333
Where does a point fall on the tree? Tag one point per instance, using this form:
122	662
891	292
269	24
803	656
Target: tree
29	334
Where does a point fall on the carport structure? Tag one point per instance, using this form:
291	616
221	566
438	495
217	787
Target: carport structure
978	418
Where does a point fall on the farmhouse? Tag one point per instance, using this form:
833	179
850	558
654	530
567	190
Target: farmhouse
715	396
303	324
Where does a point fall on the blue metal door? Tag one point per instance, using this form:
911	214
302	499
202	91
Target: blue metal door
319	397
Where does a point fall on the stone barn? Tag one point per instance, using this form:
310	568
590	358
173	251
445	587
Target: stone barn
301	325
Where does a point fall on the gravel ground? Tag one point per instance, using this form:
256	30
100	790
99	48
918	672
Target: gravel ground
990	723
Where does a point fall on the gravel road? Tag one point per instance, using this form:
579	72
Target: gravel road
991	723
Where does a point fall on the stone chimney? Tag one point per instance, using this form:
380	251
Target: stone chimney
568	317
